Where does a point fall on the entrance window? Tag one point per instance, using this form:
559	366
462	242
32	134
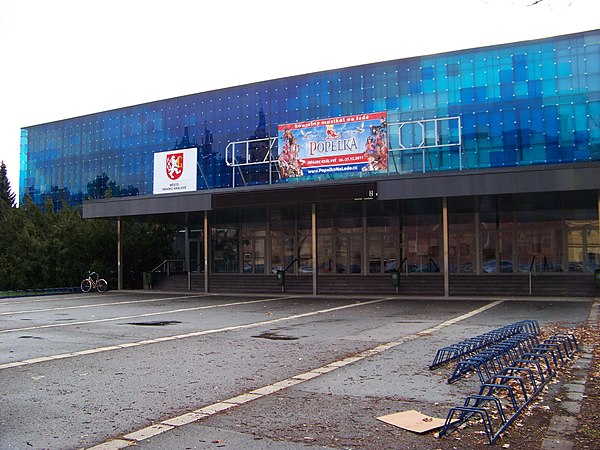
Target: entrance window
461	244
253	251
421	236
340	238
196	250
290	239
225	242
225	248
383	237
254	232
584	245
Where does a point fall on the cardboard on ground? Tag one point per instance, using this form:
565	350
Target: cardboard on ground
413	421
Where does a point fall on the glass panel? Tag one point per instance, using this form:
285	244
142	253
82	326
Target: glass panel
355	253
253	240
325	253
259	256
304	252
342	251
225	243
520	84
461	248
375	252
593	249
277	253
195	261
583	241
422	244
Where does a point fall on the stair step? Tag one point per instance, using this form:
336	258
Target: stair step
564	285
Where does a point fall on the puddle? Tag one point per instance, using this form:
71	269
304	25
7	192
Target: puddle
30	337
274	336
156	323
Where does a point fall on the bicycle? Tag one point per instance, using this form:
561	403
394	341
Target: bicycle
90	283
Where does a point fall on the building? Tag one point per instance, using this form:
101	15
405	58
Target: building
470	172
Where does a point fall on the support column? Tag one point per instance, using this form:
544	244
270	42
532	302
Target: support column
477	268
187	265
119	255
206	251
364	263
268	240
446	246
315	269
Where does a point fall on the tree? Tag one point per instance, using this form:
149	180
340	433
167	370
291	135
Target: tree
6	193
146	246
41	248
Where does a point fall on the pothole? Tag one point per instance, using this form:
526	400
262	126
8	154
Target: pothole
156	323
275	336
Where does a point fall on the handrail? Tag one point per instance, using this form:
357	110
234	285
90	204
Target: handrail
437	268
159	266
531	266
290	264
404	261
166	263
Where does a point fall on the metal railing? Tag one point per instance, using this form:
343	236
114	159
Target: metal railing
425	136
169	266
252	152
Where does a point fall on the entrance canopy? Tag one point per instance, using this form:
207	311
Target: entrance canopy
177	208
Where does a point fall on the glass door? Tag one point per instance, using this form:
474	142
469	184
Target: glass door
196	248
253	255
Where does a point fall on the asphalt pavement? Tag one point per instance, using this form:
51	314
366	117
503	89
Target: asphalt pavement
163	370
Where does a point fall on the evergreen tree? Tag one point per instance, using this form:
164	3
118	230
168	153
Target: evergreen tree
6	193
41	248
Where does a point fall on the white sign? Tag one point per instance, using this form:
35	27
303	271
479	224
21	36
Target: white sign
175	171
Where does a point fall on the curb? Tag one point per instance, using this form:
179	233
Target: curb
562	425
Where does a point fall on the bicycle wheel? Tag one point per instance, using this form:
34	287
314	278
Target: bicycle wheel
86	285
101	285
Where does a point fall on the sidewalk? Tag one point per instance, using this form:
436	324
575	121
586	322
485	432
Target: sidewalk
563	426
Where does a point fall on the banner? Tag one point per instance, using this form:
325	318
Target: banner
336	145
175	171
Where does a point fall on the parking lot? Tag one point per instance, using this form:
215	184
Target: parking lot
282	372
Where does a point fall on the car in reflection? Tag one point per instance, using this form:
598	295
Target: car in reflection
329	267
427	267
305	269
276	269
490	266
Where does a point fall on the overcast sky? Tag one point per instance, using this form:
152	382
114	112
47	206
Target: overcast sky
65	58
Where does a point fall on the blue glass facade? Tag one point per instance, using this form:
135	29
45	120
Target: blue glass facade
528	103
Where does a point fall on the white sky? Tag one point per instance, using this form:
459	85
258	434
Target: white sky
65	58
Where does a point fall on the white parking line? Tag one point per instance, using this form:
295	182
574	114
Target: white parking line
95	305
28	362
55	298
159	313
135	437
